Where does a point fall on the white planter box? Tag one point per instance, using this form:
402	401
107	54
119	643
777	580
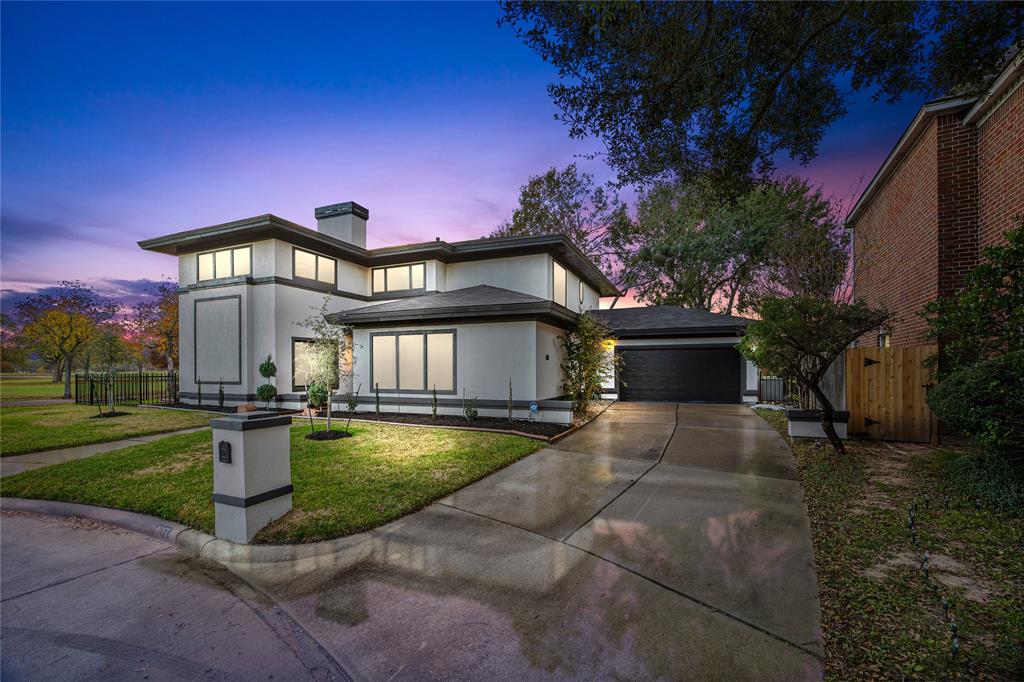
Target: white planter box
807	423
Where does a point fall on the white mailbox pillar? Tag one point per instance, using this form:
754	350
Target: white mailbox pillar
252	478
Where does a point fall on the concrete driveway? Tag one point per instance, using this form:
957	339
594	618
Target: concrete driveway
659	542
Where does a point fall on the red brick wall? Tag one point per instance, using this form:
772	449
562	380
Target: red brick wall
957	172
1001	167
895	243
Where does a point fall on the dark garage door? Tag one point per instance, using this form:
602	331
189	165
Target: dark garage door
707	375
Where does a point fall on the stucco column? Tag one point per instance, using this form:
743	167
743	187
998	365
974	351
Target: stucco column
252	480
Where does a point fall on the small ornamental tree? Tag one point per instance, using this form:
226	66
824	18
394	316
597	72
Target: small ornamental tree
111	352
267	392
329	344
586	362
801	336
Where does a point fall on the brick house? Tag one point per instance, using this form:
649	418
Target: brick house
952	185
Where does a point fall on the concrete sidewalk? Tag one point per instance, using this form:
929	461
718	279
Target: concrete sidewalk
15	464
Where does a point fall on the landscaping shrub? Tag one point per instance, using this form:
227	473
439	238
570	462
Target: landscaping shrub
985	401
991	482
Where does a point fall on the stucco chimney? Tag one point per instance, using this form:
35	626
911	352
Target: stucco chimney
346	222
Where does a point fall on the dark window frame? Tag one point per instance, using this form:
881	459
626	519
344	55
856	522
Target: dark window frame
316	268
385	268
214	252
398	377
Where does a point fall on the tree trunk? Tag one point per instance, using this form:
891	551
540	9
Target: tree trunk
67	374
172	396
58	370
827	416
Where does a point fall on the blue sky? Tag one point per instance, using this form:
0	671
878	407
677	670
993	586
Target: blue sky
127	121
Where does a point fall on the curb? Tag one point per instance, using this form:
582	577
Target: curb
194	542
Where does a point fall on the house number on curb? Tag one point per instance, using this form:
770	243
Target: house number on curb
224	452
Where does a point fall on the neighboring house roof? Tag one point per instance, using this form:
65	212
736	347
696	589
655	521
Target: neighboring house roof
906	142
668	321
479	303
272	227
978	108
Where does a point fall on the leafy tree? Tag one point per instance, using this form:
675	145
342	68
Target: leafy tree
986	318
329	344
13	354
691	246
565	202
801	336
586	362
57	325
687	89
156	321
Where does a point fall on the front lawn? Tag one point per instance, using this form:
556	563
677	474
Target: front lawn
29	387
49	427
882	614
341	486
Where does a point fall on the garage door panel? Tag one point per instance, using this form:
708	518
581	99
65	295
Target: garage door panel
680	375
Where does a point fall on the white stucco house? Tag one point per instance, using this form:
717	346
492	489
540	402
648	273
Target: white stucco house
461	317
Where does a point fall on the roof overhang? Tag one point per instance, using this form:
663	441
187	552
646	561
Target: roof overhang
272	227
924	116
1002	87
680	332
541	311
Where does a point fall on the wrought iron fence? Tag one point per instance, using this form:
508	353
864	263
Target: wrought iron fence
129	388
773	389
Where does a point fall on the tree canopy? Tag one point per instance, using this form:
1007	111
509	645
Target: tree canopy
691	246
565	202
721	88
58	324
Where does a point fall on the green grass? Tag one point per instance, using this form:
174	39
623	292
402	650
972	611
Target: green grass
29	386
881	618
341	486
49	427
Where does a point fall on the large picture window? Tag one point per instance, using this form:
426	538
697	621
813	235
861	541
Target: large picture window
234	262
308	265
558	294
400	278
413	361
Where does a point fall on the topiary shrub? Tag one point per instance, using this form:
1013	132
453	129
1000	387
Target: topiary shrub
266	393
985	402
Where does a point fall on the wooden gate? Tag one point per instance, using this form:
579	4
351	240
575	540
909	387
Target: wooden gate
886	393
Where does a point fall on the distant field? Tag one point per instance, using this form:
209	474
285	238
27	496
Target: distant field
28	386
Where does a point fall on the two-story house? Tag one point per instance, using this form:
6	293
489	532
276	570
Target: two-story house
462	319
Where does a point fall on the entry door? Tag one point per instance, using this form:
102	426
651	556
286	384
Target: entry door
706	375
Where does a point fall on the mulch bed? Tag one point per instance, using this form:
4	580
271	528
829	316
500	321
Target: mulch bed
497	423
327	435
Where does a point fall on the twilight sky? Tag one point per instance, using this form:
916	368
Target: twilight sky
127	121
